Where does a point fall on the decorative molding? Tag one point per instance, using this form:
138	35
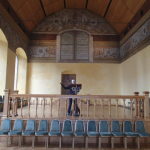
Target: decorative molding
43	52
13	38
106	53
135	40
75	19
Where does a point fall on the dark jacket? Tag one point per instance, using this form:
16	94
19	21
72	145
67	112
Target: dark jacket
71	87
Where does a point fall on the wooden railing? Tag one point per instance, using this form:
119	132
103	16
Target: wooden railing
91	106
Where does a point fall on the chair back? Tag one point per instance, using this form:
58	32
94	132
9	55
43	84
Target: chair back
30	126
91	126
6	124
43	125
103	126
67	126
18	125
79	126
115	126
128	126
139	126
55	125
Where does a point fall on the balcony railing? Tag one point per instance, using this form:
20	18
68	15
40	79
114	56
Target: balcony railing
91	106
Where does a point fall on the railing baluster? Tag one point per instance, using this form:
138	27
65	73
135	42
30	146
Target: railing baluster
21	106
80	107
36	116
13	107
117	114
109	100
44	108
131	105
51	108
94	108
103	108
124	105
58	107
28	107
87	100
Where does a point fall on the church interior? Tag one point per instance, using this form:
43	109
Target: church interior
74	74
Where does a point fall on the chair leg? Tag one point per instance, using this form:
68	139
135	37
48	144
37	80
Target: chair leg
60	142
99	143
125	142
73	142
87	142
46	141
33	141
19	140
138	142
112	142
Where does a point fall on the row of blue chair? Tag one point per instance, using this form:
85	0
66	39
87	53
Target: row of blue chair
79	131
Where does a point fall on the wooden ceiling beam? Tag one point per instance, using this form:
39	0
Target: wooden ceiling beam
13	14
86	4
65	4
110	1
43	9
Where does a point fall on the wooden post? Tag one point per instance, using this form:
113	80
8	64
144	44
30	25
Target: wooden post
6	103
16	103
137	104
146	105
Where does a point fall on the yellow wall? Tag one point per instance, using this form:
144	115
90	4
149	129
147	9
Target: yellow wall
135	73
10	70
44	78
3	61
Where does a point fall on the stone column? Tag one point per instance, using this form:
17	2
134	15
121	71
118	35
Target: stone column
146	105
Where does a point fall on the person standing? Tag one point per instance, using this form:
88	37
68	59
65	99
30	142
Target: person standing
72	91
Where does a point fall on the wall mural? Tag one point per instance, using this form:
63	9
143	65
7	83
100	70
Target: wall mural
13	38
106	53
135	40
75	19
43	51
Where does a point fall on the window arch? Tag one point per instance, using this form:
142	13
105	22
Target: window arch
74	46
20	71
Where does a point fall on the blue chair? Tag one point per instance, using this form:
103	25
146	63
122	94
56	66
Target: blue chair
5	128
128	131
79	129
116	131
55	130
30	130
43	131
17	130
140	130
68	130
104	130
91	130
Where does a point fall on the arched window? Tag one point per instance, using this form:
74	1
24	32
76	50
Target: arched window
74	46
3	61
20	71
16	73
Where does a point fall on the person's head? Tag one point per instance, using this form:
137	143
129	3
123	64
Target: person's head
73	81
